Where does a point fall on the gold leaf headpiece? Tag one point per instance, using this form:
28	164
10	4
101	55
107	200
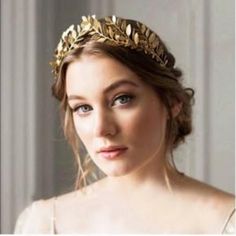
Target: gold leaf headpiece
113	31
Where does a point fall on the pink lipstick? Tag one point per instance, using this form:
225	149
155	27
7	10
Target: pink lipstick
111	153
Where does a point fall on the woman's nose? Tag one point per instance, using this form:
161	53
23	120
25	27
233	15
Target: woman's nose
104	124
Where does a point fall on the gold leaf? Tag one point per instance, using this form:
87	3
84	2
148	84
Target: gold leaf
74	34
69	29
160	50
111	33
123	25
101	40
71	38
117	37
128	29
84	18
107	19
92	33
64	34
87	26
136	38
95	37
118	21
143	28
114	19
59	47
151	38
105	31
79	39
97	25
155	43
147	33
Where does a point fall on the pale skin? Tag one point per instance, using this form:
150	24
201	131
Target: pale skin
113	106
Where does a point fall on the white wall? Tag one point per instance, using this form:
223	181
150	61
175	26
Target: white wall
27	162
221	102
200	33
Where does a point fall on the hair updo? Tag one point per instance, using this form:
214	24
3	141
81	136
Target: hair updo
166	81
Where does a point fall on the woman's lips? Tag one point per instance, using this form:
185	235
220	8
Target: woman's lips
112	154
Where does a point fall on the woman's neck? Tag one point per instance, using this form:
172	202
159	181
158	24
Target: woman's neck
155	176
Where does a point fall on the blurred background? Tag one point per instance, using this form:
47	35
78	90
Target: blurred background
37	163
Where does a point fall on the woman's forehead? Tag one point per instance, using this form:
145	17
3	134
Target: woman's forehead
90	64
90	72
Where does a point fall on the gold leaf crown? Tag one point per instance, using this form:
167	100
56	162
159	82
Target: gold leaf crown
114	31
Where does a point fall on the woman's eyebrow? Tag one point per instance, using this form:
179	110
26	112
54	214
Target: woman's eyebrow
108	89
118	84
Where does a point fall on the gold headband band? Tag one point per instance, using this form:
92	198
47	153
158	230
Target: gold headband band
114	31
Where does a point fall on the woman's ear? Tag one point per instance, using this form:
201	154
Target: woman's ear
175	110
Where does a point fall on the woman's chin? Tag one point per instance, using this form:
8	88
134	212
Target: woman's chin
116	172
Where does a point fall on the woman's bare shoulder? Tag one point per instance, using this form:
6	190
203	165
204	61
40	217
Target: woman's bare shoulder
38	216
205	191
212	204
35	218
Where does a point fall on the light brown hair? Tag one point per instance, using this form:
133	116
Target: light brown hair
166	81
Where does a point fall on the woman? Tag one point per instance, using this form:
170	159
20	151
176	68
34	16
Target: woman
122	97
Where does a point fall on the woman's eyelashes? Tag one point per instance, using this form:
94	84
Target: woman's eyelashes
118	101
122	100
82	109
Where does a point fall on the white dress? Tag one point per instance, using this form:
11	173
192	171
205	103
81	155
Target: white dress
32	220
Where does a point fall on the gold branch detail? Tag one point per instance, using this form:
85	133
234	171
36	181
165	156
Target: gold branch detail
114	31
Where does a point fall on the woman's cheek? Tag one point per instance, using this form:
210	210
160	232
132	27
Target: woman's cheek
145	124
83	128
133	121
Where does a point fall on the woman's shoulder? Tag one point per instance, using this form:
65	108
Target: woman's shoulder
39	216
205	192
36	218
215	208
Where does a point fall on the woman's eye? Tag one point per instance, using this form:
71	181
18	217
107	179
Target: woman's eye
83	109
123	99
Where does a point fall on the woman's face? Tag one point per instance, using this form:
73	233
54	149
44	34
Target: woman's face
117	116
